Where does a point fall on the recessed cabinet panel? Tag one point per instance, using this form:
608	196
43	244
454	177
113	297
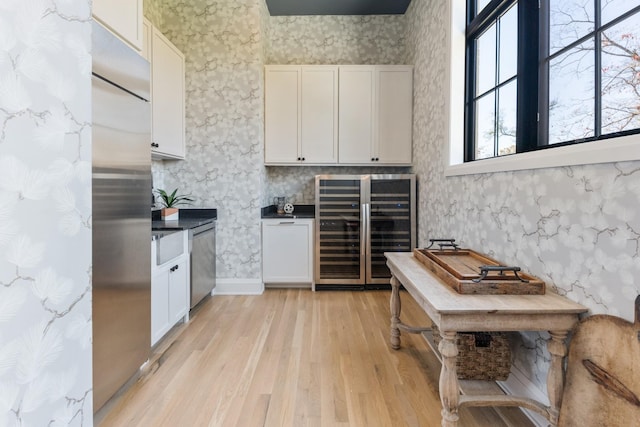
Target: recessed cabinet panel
123	17
394	86
287	250
147	30
281	114
318	115
178	291
167	98
355	100
159	303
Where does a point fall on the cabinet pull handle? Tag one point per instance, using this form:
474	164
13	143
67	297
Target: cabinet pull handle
154	144
174	268
287	222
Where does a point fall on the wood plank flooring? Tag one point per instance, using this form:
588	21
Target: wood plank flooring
291	357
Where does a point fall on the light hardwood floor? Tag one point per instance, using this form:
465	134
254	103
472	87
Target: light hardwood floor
291	357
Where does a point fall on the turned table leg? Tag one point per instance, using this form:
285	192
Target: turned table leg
449	390
395	306
555	378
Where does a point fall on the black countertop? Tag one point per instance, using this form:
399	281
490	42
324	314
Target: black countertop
299	211
188	218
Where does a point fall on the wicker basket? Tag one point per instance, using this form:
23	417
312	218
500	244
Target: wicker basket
481	355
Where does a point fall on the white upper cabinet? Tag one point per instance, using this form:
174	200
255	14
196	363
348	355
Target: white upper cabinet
376	114
356	106
301	114
340	115
394	115
123	17
147	31
281	126
167	98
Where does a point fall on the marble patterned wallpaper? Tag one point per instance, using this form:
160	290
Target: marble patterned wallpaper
373	39
223	47
577	228
45	216
153	12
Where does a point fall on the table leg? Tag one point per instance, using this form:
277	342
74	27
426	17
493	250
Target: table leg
395	307
449	389
555	378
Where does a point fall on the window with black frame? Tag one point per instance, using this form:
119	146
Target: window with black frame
544	73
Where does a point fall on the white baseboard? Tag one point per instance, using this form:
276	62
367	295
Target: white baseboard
519	385
238	287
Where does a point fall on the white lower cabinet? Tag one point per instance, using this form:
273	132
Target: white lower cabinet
169	294
287	251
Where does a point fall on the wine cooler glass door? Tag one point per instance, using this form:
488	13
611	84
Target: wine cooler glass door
340	230
391	223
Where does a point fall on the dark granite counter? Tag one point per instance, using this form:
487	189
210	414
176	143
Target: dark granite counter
299	211
189	218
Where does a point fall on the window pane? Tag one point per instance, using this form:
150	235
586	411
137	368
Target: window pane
485	128
507	96
569	20
621	76
611	9
486	60
509	44
480	4
571	94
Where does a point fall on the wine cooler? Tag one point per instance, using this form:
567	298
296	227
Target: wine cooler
358	219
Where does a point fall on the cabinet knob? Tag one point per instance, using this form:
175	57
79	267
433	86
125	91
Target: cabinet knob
303	159
174	268
153	144
373	159
299	158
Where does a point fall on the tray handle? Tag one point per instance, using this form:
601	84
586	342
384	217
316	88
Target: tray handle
485	269
443	243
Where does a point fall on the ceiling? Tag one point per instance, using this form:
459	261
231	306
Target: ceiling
337	7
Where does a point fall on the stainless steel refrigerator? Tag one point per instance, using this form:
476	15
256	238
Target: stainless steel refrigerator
121	219
358	218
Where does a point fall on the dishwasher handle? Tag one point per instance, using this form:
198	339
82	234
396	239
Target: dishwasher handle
201	229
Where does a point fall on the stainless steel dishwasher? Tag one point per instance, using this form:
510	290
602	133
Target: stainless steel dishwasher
202	249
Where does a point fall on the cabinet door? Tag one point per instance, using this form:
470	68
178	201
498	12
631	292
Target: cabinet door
281	122
167	94
123	17
394	118
319	114
356	98
159	305
178	291
287	251
147	30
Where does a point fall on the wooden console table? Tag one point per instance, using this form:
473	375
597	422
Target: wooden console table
453	312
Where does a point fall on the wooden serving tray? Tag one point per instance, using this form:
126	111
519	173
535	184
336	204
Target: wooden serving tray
457	268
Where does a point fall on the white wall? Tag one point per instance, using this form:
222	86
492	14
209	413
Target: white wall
45	215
